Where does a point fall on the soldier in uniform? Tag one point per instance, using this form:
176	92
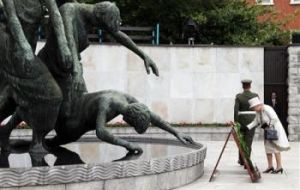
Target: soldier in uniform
243	115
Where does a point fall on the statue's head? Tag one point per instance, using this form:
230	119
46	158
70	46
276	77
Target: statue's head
108	15
138	116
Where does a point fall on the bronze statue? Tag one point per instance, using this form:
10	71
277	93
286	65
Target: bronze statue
96	109
32	87
79	19
82	112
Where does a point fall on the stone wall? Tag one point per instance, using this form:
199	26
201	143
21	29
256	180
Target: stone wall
294	93
196	84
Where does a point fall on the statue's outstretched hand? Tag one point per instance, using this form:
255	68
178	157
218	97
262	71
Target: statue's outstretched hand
149	63
185	139
134	149
66	59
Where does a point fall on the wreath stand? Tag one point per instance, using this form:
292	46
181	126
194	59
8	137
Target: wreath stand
252	170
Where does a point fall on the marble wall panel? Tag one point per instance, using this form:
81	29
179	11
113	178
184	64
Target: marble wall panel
205	85
189	77
161	56
181	110
97	81
161	108
204	110
137	84
204	60
181	60
158	88
227	60
227	85
105	58
181	85
223	110
251	60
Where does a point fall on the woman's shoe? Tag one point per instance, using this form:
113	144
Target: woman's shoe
277	171
271	169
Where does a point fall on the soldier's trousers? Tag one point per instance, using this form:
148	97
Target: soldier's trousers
248	134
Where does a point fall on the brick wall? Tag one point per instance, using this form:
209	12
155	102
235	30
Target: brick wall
285	8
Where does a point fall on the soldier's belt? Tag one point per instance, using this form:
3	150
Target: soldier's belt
246	113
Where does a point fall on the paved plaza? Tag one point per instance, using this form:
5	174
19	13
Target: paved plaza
230	175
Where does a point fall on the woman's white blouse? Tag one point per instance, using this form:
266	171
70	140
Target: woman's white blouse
269	116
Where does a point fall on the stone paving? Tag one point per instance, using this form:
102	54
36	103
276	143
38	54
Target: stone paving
230	175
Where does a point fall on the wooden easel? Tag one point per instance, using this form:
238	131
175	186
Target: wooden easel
253	172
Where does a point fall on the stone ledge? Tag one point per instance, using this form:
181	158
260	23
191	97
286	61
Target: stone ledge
182	168
150	182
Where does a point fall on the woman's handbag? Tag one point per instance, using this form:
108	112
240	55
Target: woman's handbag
270	132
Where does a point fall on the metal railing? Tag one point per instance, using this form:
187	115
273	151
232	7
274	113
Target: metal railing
137	34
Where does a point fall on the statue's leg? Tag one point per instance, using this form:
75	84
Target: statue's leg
42	118
56	141
39	97
64	137
6	131
7	108
40	100
7	104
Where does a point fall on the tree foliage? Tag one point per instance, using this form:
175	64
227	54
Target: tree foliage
232	22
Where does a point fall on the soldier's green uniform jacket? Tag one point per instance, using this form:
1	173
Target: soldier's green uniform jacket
241	104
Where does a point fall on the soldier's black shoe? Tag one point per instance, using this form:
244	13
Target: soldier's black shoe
240	163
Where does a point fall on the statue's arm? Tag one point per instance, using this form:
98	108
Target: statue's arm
123	39
68	13
106	136
160	123
59	30
16	29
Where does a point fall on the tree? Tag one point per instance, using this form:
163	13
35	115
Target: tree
232	22
237	22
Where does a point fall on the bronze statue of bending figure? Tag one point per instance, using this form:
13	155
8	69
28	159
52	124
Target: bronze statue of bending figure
94	110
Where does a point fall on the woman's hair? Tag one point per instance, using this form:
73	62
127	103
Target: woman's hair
138	116
108	14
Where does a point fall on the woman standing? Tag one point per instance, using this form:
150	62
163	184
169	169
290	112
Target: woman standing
266	115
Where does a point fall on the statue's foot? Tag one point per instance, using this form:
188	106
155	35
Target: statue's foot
38	149
38	159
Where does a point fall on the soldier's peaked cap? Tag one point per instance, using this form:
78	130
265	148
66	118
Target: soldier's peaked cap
246	81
